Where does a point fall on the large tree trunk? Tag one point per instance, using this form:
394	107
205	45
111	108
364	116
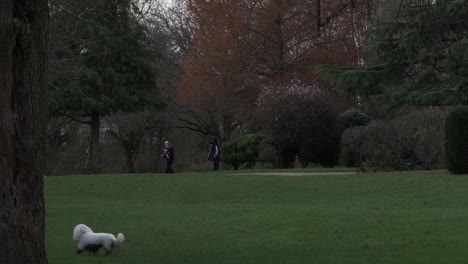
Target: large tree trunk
23	121
92	165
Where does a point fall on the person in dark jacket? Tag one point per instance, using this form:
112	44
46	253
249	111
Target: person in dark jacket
168	154
215	153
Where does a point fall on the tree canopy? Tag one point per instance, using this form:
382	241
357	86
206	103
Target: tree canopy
101	59
417	54
237	46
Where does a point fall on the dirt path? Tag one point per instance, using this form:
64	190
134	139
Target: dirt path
300	173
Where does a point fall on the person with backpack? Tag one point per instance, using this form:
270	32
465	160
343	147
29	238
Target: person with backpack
215	153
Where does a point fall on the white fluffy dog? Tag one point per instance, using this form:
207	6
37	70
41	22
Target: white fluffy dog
92	242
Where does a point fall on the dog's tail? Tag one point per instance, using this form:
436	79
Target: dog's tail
119	240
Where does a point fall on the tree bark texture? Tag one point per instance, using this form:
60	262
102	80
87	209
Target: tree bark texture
23	122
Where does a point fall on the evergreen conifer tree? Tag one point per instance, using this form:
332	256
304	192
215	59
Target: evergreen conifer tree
101	63
419	55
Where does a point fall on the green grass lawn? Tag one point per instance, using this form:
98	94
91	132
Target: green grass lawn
412	217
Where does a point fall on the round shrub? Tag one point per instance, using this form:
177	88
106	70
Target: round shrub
456	141
242	151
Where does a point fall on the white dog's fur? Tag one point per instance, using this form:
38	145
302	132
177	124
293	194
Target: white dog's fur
92	242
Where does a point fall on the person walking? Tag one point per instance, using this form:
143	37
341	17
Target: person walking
168	154
215	153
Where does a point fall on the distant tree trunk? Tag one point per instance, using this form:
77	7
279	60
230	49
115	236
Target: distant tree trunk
319	19
92	165
285	158
131	147
227	128
23	124
130	164
278	48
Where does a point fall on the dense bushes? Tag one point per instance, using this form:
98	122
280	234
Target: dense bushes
411	141
456	136
299	120
242	151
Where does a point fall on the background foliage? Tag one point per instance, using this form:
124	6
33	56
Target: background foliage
411	141
417	56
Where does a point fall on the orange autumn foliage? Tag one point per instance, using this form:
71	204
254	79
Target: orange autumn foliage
240	45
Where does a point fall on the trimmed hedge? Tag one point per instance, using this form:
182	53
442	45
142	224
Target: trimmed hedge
456	141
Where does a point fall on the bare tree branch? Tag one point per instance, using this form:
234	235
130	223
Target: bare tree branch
74	118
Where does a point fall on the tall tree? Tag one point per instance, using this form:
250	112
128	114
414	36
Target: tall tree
214	88
108	64
23	122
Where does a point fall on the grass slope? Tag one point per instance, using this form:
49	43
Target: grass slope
414	217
